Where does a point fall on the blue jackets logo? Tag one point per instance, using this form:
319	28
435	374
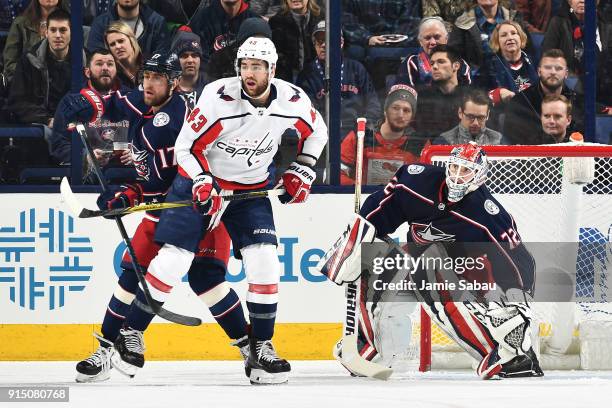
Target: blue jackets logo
44	259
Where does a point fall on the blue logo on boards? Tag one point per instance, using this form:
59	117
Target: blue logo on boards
42	259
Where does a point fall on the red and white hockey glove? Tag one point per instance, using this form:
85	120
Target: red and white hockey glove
86	105
296	181
205	198
130	195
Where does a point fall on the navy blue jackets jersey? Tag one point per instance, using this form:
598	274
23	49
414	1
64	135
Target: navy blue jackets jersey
152	136
417	195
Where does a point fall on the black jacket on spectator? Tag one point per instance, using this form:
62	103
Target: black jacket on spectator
437	111
154	37
286	37
31	98
522	124
177	11
357	92
216	29
465	36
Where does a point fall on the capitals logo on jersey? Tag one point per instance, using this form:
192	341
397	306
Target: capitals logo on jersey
423	234
139	157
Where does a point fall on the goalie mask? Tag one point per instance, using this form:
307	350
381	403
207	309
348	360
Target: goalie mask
466	170
258	48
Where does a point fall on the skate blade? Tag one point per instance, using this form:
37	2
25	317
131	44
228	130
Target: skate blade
84	378
124	368
261	377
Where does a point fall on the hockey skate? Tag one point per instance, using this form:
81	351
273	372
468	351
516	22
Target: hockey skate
526	365
243	346
265	366
96	368
129	352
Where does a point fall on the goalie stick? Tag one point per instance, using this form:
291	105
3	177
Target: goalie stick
351	358
82	212
153	305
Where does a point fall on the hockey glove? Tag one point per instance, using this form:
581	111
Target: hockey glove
129	195
296	181
205	194
84	106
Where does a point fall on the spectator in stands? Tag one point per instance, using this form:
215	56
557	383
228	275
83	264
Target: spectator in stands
101	74
94	8
509	69
357	93
449	10
556	118
390	145
536	13
43	74
218	24
265	8
9	10
292	30
522	122
365	22
566	30
473	30
221	64
177	12
416	69
472	127
120	40
27	30
439	102
189	50
148	26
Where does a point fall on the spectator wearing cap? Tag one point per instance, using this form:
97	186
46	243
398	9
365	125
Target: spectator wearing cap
390	145
189	51
473	115
218	24
416	69
358	96
221	64
148	26
292	30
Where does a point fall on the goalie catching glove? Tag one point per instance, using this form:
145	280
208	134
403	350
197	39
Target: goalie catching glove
205	194
342	263
296	181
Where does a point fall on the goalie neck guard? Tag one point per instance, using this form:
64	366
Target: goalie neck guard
466	170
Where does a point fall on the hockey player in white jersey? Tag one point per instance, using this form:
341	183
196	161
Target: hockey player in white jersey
226	145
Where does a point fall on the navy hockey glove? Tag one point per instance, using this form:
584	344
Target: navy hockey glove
86	105
296	181
205	198
129	195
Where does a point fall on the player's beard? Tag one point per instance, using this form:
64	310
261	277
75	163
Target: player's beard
157	100
258	91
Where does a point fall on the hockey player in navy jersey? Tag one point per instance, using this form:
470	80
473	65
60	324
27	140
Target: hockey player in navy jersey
156	115
226	145
444	206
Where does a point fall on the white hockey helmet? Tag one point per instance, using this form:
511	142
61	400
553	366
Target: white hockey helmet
466	170
257	48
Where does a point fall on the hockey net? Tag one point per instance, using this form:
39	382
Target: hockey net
530	182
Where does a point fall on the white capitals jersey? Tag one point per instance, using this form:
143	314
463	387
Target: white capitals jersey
236	141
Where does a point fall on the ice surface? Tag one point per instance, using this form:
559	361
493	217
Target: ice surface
312	384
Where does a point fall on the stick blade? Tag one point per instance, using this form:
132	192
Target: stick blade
70	198
357	364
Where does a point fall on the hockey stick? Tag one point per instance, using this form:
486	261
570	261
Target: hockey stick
82	212
351	358
153	305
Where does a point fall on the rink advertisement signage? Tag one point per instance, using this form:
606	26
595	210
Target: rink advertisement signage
47	259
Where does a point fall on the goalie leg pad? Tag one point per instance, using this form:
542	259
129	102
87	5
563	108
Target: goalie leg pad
342	263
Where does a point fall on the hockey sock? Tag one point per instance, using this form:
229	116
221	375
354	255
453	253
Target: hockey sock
262	318
139	319
230	316
113	319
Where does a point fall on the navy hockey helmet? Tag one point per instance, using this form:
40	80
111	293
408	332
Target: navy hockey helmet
164	63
